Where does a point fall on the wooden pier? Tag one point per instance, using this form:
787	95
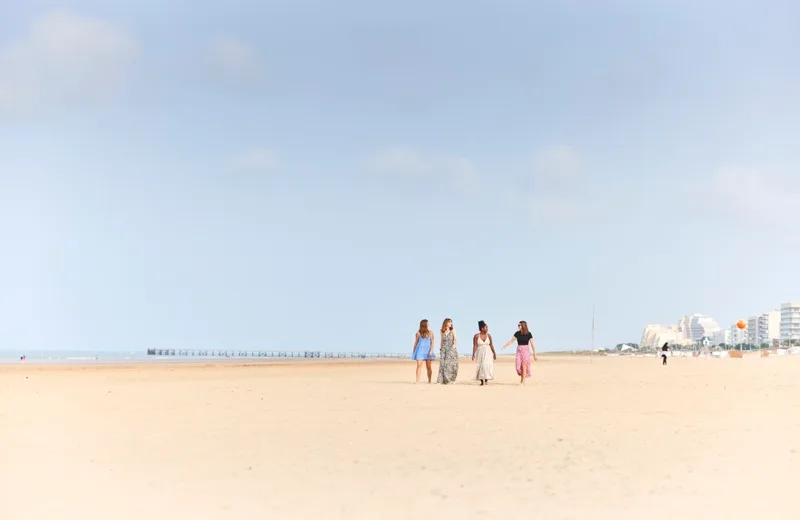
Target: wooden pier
307	354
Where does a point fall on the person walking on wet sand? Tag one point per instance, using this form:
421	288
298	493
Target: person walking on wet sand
483	354
525	345
423	350
448	362
664	350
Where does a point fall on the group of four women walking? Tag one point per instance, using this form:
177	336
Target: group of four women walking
483	352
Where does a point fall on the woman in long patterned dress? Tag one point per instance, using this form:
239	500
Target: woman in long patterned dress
483	354
525	344
448	363
423	350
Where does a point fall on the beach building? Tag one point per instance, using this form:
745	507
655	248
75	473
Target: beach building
721	337
763	328
751	332
698	326
790	321
736	336
688	331
655	335
769	327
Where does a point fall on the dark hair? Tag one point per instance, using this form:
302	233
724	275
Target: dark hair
524	326
481	325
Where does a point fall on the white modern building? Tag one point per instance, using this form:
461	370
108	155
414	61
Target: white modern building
764	328
769	327
655	335
736	336
722	337
697	327
751	332
689	330
790	321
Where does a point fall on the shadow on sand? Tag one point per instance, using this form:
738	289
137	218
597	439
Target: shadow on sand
457	383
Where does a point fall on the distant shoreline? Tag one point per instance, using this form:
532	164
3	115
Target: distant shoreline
56	357
172	361
113	358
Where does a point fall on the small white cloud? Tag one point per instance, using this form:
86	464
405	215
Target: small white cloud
399	160
560	189
405	161
556	166
257	159
559	208
735	199
564	209
65	58
236	60
460	169
752	194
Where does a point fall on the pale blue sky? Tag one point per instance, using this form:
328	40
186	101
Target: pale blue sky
323	175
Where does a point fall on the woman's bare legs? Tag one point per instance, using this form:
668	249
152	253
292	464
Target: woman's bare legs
524	373
430	370
419	370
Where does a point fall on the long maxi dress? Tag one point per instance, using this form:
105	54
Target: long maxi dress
484	359
448	367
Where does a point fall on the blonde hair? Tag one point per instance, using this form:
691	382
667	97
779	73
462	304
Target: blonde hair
444	324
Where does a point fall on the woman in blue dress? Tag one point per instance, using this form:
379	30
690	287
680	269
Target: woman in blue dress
423	349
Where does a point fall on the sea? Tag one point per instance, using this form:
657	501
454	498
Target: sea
83	357
104	357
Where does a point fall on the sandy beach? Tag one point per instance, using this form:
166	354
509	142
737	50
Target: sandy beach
620	438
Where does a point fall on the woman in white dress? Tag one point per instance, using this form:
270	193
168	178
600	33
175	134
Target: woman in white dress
483	353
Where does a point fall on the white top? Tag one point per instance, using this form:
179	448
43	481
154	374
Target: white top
483	342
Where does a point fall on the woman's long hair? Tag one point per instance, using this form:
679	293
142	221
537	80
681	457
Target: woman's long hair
424	332
524	327
444	324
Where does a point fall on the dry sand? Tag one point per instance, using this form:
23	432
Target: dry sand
621	438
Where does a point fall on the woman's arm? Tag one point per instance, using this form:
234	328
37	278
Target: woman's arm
509	342
533	347
491	346
430	352
474	346
455	340
416	342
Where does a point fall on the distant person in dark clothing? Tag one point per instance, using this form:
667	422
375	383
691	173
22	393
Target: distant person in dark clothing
664	350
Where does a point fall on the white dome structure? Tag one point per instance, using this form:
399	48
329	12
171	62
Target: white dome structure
698	326
690	329
655	335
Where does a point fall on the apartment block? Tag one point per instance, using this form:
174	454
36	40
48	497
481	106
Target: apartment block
790	321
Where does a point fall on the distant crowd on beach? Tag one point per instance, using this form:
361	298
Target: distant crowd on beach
483	353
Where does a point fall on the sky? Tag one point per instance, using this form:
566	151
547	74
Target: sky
322	175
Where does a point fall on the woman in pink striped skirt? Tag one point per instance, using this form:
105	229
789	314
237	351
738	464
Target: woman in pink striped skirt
525	345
